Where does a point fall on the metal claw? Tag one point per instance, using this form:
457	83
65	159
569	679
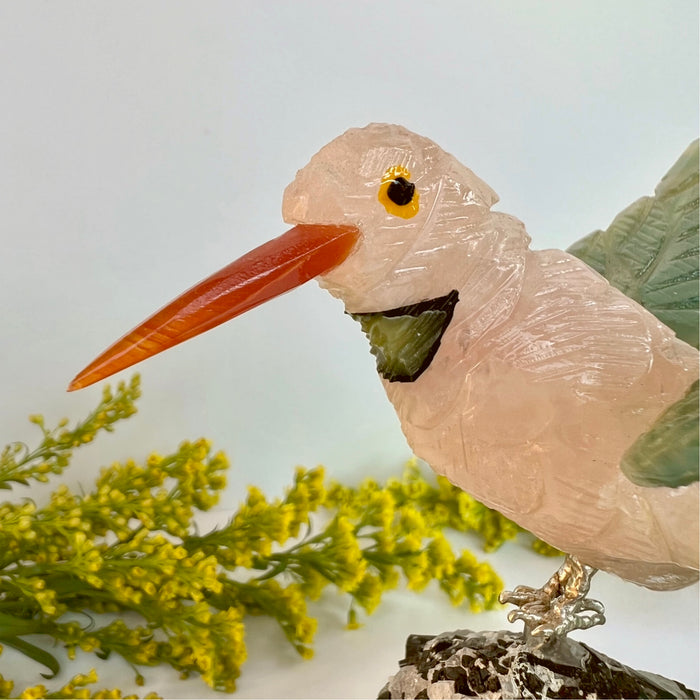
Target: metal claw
560	606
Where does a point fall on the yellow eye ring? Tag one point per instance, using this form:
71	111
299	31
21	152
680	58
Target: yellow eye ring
398	194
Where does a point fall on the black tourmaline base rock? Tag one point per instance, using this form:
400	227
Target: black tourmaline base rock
466	664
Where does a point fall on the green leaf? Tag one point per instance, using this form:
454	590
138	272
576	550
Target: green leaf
11	626
667	454
35	653
650	251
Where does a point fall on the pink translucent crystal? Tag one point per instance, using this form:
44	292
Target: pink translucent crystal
546	374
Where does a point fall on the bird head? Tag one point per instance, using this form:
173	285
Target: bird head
383	218
411	201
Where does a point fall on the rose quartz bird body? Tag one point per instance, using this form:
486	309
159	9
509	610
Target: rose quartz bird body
545	375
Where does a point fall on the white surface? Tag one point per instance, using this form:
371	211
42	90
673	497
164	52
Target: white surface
145	145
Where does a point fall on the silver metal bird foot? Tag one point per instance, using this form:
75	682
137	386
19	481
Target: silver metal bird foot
560	606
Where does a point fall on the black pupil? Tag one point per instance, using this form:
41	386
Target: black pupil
401	191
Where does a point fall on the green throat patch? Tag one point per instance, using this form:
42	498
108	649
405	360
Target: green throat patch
404	340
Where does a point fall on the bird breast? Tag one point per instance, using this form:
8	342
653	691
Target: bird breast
532	411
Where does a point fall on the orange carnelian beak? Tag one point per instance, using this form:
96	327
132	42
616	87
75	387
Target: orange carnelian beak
304	252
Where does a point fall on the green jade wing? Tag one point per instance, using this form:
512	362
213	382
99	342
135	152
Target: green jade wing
650	252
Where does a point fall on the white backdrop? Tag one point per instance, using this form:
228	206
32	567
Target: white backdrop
145	145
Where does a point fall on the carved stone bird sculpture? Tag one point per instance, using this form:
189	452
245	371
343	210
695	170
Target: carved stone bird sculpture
525	377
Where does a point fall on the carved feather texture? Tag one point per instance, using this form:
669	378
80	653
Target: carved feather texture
546	374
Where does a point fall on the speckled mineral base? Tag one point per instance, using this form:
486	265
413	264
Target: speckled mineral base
465	664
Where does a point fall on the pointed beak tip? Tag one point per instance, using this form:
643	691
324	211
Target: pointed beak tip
80	381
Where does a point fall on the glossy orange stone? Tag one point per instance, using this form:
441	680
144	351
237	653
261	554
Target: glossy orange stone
273	268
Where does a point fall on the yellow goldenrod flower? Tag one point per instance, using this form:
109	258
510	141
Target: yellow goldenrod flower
6	687
128	545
